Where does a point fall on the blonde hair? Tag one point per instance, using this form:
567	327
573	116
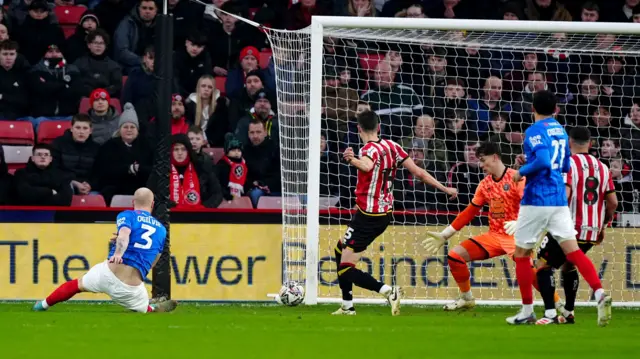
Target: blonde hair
212	100
354	12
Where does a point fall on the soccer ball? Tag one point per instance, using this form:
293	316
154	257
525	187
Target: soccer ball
291	294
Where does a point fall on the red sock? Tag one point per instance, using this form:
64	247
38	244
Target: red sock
525	279
63	293
586	268
149	309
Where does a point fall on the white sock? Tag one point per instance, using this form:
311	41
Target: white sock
385	289
598	294
44	304
527	310
550	313
466	295
347	304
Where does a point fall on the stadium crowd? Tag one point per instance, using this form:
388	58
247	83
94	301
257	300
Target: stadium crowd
89	81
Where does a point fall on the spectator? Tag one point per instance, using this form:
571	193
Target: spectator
465	176
523	106
455	134
435	149
37	32
578	108
635	14
111	12
211	13
455	96
77	43
40	183
134	34
352	138
600	125
473	64
5	20
515	80
241	104
75	152
140	85
513	10
342	55
622	176
620	12
262	111
546	10
14	99
179	125
299	14
191	186
96	68
263	164
618	81
329	169
338	104
427	74
452	9
630	134
6	181
232	169
590	12
416	11
510	142
124	162
491	101
396	8
208	110
57	86
360	8
198	142
4	32
192	62
19	12
104	117
236	78
609	149
410	193
187	17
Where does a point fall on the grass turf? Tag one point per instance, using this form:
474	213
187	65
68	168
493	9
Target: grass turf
93	331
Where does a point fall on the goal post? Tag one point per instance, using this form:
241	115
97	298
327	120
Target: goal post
316	210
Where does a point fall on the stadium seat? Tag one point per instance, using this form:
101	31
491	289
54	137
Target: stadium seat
90	200
121	200
85	106
16	133
50	130
221	82
68	18
238	203
267	202
16	156
263	61
216	152
252	12
328	202
368	62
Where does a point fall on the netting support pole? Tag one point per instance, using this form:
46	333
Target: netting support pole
313	181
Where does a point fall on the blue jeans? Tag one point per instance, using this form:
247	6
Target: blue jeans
256	193
35	121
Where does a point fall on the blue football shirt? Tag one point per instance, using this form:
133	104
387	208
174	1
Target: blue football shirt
145	242
546	147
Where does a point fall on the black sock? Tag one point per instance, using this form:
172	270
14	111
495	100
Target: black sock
570	283
350	274
546	282
346	286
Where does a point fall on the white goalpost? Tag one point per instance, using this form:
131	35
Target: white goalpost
440	86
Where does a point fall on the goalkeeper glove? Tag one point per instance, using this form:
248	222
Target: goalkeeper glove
436	240
510	227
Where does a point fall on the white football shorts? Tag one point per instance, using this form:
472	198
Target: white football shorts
100	279
534	221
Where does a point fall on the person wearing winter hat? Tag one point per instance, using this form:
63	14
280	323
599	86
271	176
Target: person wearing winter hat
37	21
76	43
248	63
513	10
104	117
262	110
232	169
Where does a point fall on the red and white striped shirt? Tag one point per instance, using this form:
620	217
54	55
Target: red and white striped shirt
374	192
590	181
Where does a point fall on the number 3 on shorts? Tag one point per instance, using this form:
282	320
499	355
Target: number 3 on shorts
148	232
347	235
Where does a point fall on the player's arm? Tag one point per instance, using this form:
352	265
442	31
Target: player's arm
427	178
122	242
542	160
611	203
155	261
365	163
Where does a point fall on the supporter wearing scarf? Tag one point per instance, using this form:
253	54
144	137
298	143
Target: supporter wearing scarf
237	166
184	184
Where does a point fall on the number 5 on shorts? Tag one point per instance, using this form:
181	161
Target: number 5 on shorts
347	235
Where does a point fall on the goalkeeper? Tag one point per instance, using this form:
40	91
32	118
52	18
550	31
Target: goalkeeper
503	196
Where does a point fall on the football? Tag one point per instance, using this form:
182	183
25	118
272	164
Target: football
291	294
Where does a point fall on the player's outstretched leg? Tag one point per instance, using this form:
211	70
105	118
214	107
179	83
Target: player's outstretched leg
163	306
570	283
524	275
457	259
346	287
63	293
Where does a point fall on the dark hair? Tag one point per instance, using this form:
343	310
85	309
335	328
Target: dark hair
153	1
580	135
591	6
149	50
41	146
456	81
81	117
257	121
362	102
544	103
92	35
529	73
195	129
368	121
9	45
197	38
497	114
488	148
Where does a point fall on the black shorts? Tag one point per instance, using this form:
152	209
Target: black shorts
364	229
552	254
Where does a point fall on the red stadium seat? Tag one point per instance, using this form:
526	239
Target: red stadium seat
90	200
69	15
252	12
16	133
116	104
267	202
238	203
121	200
217	153
221	82
263	61
50	130
368	62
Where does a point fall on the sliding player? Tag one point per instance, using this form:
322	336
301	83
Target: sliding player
503	197
377	164
544	207
140	239
593	202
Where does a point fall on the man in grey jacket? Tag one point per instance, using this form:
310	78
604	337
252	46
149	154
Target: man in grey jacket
134	33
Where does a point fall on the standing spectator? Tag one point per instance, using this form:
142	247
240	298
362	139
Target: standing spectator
263	164
14	99
74	153
124	162
339	104
187	17
262	111
37	32
179	123
56	85
192	62
191	185
6	181
208	110
546	10
140	85
491	100
237	75
435	149
77	43
104	117
232	169
590	12
96	68
299	14
41	184
630	134
134	34
111	12
465	176
241	104
19	11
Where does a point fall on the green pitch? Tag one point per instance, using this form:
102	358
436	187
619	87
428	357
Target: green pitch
94	331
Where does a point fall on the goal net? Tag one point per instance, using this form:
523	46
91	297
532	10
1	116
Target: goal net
439	87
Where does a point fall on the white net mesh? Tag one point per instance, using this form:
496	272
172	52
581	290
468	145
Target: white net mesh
438	93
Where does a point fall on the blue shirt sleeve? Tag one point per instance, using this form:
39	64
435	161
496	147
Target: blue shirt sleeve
123	221
541	162
566	165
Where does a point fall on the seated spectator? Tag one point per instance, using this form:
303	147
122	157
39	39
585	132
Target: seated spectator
6	181
263	164
19	11
14	98
522	111
513	10
140	85
241	104
74	153
465	176
329	169
111	12
77	43
609	148
630	134
4	32
622	176
192	62
546	10
179	123
198	142
261	111
134	34
515	81
455	134
491	100
191	186
96	68
124	162
501	133
299	14
57	87
589	12
207	109
618	82
40	183
360	8
473	64
236	77
577	110
339	104
232	169
104	117
601	126
187	17
37	33
424	139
